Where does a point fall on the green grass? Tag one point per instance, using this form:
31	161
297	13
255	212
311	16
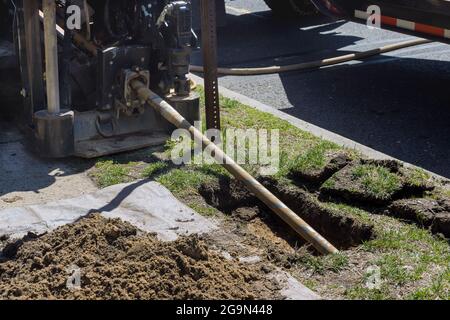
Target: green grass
329	184
438	290
416	177
360	292
345	209
376	180
394	274
408	253
404	253
183	181
310	284
438	193
154	169
321	264
446	193
314	158
108	173
394	270
410	239
293	142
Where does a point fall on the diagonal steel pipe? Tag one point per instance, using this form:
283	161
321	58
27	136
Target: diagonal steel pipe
277	206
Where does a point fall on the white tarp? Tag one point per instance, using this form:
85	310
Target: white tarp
146	204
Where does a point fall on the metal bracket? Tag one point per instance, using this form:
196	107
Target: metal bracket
111	63
130	104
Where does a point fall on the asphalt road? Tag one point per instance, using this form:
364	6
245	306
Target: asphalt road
396	103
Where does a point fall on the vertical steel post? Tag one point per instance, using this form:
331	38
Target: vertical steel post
29	38
209	49
66	92
51	56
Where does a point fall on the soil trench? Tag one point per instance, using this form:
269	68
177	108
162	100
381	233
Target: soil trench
231	197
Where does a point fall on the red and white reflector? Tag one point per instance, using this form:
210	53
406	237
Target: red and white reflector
407	25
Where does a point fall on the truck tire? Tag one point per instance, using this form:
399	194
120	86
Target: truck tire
291	8
5	20
3	17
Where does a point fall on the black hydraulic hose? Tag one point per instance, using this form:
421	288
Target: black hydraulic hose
314	64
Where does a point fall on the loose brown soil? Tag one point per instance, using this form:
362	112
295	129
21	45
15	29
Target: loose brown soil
117	261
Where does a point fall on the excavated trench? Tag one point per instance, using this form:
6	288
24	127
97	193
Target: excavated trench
232	198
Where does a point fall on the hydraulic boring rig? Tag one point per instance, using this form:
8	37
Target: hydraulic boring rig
106	62
77	60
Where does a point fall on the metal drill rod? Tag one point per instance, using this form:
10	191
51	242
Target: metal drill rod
290	217
51	56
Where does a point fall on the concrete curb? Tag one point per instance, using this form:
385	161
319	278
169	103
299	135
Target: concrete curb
315	130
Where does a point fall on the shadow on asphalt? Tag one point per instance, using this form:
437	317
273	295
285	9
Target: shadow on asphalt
399	106
243	44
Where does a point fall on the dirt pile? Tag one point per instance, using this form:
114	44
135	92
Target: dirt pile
116	261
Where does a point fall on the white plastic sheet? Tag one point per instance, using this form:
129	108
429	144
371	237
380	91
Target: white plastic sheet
146	204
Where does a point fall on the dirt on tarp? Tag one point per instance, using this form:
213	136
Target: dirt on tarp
117	261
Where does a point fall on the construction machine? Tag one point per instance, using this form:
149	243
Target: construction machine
77	59
107	76
76	65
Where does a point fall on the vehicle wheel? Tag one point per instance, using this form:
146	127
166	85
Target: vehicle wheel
4	19
291	8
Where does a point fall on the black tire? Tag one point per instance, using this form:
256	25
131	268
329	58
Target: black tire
291	8
6	20
3	19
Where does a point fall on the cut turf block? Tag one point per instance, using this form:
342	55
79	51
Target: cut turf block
377	182
363	183
428	213
334	161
